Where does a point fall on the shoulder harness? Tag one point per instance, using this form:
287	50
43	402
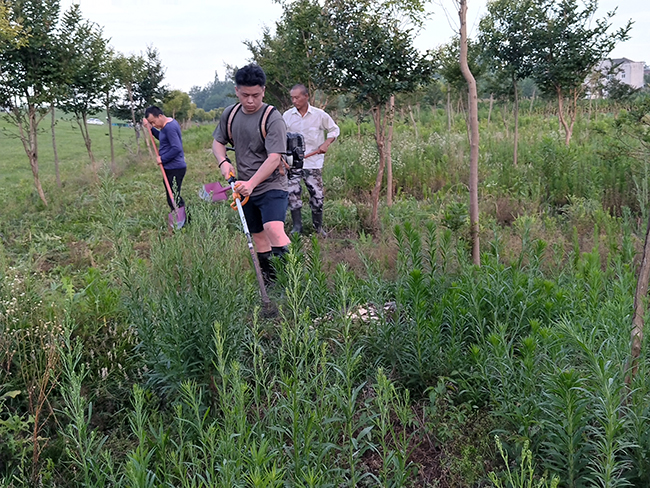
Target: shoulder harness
263	120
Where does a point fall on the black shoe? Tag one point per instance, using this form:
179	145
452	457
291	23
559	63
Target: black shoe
268	273
317	219
296	218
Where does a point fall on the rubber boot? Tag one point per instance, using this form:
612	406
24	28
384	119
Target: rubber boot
279	258
279	252
317	219
296	218
268	273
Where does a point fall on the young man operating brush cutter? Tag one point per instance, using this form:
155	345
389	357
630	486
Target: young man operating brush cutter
258	134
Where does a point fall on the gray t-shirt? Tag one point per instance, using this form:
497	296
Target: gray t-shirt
251	150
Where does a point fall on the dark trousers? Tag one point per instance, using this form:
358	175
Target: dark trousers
175	178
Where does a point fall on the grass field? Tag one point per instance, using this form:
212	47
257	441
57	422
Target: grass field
131	356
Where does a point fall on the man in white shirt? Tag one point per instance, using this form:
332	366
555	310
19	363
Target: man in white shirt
312	123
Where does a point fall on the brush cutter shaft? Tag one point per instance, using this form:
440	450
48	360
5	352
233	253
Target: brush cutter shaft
256	264
241	216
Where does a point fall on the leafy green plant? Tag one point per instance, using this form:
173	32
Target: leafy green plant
15	437
525	476
84	445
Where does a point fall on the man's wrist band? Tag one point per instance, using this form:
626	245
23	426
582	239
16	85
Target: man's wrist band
225	159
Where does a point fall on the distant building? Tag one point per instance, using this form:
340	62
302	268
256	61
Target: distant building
625	70
612	72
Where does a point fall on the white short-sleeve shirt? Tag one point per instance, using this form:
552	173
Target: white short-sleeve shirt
315	126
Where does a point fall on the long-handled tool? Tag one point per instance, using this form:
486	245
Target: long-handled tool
268	308
176	216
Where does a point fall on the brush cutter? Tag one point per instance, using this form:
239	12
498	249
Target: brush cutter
293	157
176	216
268	308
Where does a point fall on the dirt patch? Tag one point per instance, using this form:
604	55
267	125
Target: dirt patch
80	255
346	250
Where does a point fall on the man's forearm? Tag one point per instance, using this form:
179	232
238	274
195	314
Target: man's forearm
327	142
219	151
266	170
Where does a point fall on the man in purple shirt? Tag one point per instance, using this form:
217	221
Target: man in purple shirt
172	157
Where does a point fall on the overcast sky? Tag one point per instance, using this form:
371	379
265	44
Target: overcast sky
195	38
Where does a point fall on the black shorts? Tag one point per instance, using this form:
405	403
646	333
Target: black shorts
270	206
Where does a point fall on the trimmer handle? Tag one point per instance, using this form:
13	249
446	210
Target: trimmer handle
235	194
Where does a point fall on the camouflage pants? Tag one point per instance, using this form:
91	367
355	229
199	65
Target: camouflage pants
313	179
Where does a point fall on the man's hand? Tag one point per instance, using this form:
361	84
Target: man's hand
226	170
322	149
244	188
146	123
158	159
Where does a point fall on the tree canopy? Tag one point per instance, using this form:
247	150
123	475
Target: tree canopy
507	43
31	71
86	70
568	45
216	94
369	52
141	78
11	30
292	54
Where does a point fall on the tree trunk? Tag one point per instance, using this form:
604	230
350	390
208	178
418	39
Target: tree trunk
30	144
504	110
56	154
532	101
639	310
490	111
83	126
380	140
110	133
415	125
516	107
566	124
474	135
136	125
390	117
449	114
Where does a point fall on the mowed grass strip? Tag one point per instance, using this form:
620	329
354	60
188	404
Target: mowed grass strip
73	156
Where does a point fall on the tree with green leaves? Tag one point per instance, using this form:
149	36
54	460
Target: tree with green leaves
140	78
178	105
11	30
128	70
568	45
292	53
216	94
150	89
87	66
31	72
368	53
201	116
110	97
507	42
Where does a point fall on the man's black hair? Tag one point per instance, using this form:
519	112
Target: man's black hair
250	75
153	110
301	87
